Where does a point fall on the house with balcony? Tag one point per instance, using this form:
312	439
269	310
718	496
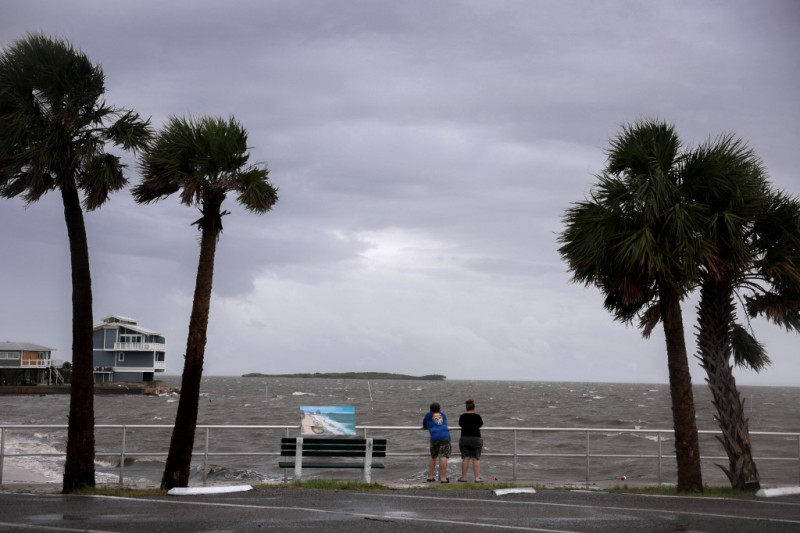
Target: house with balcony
125	351
24	363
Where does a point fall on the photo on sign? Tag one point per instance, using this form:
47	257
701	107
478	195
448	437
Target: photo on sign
327	420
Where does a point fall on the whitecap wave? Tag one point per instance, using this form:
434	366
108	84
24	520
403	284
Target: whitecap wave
39	468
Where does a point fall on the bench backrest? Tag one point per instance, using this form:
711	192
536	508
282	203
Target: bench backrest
332	447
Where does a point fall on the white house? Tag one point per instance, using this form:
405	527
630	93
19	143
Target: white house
28	364
125	351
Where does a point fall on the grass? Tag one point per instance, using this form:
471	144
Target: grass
324	484
357	485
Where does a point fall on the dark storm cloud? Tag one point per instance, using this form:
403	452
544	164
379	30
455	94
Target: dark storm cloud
425	153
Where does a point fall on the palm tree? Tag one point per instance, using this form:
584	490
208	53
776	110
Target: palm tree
204	159
755	233
54	128
635	239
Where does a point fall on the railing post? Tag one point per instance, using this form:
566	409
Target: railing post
587	457
2	452
205	459
659	458
122	458
368	461
514	462
298	459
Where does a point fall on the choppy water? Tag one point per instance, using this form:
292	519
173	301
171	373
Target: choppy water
260	401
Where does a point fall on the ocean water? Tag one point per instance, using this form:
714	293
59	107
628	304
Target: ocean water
401	405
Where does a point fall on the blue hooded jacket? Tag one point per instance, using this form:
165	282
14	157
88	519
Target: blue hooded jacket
437	426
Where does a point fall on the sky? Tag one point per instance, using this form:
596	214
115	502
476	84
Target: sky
425	153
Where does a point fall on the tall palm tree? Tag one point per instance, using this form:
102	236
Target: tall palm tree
755	233
204	159
54	128
635	239
729	180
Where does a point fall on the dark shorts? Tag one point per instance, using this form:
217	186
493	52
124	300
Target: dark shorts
440	448
470	447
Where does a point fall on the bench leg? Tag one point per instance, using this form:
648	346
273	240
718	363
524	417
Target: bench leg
298	459
368	462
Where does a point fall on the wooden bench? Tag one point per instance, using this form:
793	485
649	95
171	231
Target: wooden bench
334	447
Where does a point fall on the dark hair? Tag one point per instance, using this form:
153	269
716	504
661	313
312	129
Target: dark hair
470	405
435	407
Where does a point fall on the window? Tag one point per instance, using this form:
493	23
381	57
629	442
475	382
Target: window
121	356
9	355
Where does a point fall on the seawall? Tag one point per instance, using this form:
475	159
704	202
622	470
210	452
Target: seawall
150	387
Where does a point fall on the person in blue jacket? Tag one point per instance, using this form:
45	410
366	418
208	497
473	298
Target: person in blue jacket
436	423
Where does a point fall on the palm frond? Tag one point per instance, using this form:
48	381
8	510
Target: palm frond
53	122
202	159
256	193
649	319
747	351
780	309
100	178
130	132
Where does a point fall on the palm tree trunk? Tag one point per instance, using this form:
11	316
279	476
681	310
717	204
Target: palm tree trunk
687	447
79	465
179	460
716	311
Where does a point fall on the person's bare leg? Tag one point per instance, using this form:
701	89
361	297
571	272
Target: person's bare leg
464	468
476	469
443	469
431	467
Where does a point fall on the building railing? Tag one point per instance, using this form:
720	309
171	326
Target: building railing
40	363
35	363
157	365
516	453
139	347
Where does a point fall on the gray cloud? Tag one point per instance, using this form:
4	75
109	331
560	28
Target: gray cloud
425	153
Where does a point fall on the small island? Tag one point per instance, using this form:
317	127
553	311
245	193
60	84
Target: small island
349	375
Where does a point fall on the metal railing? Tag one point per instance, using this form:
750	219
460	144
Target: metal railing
517	452
140	346
36	363
120	368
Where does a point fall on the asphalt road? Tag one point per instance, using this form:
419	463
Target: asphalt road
292	509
